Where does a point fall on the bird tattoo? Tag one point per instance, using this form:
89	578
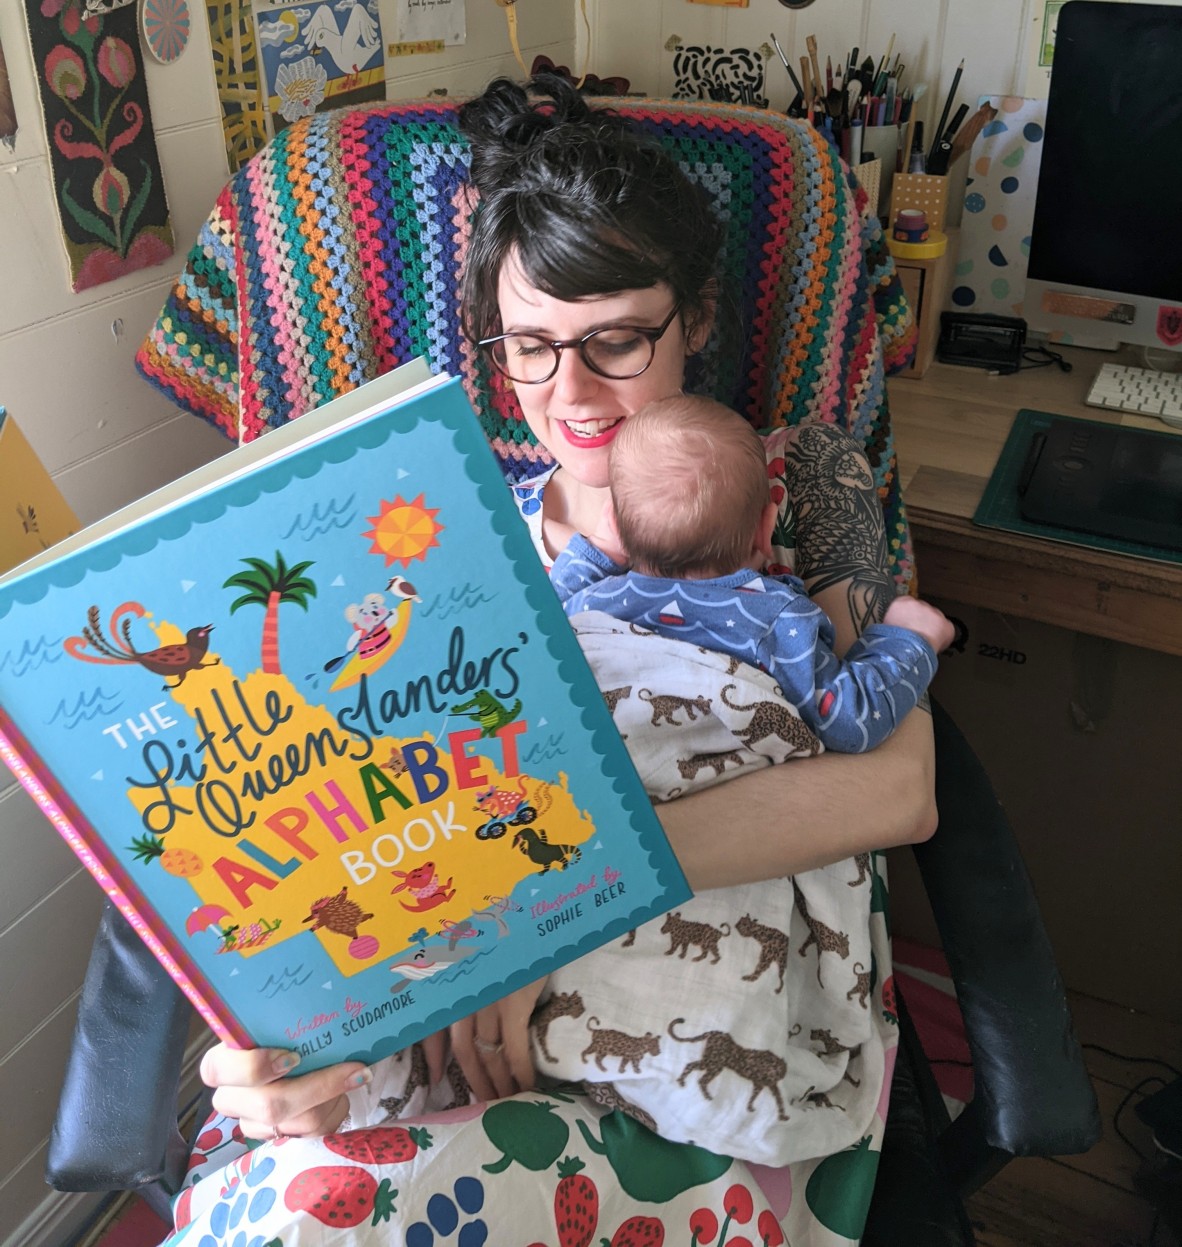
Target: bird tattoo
171	661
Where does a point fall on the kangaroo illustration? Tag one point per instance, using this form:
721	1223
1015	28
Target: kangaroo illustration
424	885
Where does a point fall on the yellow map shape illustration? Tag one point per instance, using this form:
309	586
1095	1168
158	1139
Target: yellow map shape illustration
283	821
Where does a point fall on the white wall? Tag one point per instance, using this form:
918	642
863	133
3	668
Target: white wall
931	35
107	437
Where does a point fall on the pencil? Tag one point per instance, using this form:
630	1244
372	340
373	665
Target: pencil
947	109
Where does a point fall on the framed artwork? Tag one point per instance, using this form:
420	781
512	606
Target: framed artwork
321	54
238	79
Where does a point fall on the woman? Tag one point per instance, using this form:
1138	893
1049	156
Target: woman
589	285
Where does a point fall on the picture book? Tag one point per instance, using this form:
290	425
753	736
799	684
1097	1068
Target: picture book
33	513
315	720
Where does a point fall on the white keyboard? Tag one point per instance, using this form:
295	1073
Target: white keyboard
1144	391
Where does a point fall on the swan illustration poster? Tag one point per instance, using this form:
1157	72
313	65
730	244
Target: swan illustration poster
319	55
315	720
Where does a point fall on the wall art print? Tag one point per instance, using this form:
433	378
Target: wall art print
238	78
320	55
106	171
732	75
166	25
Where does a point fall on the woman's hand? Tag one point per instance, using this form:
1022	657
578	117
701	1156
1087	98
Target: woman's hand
249	1085
492	1045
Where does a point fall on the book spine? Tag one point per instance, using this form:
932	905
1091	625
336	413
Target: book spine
73	826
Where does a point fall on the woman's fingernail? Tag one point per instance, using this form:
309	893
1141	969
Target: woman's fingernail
285	1062
362	1078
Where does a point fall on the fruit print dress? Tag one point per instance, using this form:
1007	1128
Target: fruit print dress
547	1168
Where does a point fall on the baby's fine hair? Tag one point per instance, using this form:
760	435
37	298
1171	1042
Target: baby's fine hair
689	482
589	205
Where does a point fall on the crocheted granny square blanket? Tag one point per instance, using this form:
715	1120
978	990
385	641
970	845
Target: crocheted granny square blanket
334	255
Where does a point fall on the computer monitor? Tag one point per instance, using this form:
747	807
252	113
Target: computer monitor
1105	262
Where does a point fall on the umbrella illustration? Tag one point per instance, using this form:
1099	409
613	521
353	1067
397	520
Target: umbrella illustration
204	917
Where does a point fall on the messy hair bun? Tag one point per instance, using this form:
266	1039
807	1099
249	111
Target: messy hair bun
588	204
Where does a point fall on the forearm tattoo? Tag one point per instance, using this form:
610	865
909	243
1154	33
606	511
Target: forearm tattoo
840	537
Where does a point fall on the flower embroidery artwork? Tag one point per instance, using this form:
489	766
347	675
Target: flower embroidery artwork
106	172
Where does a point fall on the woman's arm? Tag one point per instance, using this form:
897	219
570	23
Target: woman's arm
809	813
791	818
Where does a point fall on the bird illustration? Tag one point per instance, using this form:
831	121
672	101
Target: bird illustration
349	48
175	660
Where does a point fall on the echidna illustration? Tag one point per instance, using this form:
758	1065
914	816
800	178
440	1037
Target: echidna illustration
337	913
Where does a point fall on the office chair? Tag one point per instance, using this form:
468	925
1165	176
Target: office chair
291	296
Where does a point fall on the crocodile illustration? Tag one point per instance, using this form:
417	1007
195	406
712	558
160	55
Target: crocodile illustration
483	708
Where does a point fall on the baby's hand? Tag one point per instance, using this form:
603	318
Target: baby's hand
933	625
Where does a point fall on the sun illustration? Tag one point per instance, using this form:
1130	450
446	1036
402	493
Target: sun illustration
404	530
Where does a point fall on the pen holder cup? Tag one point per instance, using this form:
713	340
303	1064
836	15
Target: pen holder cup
881	143
926	191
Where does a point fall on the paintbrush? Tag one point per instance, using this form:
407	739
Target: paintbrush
818	81
784	62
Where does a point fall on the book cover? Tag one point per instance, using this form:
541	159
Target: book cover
33	513
315	720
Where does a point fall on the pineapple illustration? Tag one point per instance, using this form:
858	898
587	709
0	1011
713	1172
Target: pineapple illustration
183	863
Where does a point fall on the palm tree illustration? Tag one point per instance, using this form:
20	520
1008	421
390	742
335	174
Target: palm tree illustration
269	585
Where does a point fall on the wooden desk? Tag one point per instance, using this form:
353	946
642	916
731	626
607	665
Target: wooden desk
949	429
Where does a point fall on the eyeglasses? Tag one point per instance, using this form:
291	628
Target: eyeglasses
618	352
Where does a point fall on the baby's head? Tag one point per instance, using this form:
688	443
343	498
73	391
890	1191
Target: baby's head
689	483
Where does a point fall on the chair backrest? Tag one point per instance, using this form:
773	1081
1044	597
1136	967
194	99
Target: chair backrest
335	254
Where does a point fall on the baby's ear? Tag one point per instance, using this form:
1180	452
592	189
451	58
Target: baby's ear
699	325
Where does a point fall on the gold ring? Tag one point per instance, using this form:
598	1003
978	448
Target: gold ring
487	1046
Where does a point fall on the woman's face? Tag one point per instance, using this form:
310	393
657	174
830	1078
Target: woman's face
577	413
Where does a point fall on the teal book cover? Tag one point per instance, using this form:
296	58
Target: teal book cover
315	720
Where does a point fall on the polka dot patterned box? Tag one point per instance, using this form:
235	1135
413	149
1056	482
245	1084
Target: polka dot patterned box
999	209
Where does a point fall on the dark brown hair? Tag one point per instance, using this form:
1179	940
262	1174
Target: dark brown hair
589	205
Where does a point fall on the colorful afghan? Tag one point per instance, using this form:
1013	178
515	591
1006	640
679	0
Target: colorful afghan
335	254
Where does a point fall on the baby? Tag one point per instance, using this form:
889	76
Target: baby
692	509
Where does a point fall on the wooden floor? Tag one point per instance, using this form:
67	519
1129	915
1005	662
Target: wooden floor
1089	1200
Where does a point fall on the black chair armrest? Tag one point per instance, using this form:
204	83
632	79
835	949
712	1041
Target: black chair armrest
1032	1094
116	1126
914	1203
